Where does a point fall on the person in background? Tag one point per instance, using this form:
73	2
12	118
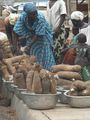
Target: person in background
82	57
56	10
79	53
33	26
10	21
79	26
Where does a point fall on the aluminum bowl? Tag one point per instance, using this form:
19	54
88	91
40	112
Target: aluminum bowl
78	101
62	97
39	101
12	88
18	92
7	84
6	88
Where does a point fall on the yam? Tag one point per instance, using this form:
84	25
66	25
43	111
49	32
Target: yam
45	74
53	86
78	85
14	59
64	82
64	67
36	85
87	85
19	80
46	85
69	75
86	92
29	80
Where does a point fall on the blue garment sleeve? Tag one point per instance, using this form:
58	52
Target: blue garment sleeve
40	26
20	27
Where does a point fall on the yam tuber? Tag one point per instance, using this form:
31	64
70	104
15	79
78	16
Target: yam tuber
29	80
19	80
36	85
65	67
69	75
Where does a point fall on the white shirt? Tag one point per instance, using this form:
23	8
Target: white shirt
54	13
86	31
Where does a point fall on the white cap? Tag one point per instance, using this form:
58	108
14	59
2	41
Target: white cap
77	15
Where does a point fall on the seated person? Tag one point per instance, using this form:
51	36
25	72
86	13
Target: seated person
78	53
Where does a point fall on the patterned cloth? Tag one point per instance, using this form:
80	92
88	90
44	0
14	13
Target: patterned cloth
54	17
58	44
42	48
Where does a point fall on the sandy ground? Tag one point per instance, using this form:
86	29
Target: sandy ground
7	113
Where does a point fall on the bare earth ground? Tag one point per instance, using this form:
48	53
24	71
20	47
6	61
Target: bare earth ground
7	113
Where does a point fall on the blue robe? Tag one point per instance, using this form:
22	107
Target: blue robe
42	48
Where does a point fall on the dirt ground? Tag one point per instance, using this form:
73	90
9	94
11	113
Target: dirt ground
7	113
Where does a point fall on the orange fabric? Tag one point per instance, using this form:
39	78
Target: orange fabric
69	57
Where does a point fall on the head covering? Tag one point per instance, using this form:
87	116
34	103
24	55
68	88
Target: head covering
29	7
12	18
81	38
5	13
77	15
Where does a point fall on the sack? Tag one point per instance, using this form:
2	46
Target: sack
69	57
86	73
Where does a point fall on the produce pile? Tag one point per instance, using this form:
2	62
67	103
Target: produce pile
80	88
31	76
40	81
66	74
27	74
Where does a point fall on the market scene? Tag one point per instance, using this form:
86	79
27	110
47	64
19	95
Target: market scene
45	60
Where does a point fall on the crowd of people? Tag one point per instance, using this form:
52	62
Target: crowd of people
47	39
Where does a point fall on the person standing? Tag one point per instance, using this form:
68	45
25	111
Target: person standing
56	10
33	26
79	26
9	25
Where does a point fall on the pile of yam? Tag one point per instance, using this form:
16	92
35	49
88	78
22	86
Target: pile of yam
40	81
66	74
80	88
9	66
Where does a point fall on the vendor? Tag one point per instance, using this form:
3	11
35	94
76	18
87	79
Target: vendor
33	26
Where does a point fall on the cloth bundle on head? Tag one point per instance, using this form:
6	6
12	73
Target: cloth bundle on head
29	7
3	36
12	18
5	13
77	15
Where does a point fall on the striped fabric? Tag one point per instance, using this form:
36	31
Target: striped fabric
42	48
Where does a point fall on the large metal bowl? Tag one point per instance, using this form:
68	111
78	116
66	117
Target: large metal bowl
6	88
78	101
39	101
12	88
18	92
62	97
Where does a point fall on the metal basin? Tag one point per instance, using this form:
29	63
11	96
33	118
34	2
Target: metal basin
18	92
7	84
12	88
39	101
62	97
78	101
6	91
